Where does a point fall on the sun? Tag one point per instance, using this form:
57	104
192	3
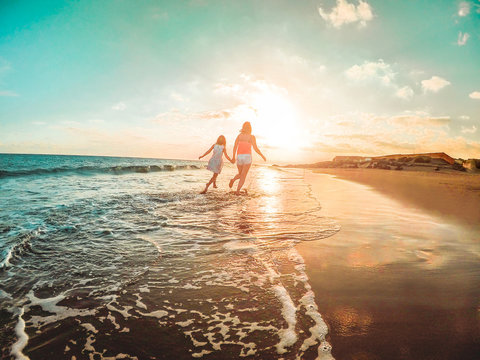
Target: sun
277	120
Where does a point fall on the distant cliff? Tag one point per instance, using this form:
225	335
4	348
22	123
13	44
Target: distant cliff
426	161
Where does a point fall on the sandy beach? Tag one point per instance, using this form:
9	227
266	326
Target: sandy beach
452	194
400	279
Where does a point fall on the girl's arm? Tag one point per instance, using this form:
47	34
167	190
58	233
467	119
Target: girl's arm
235	149
255	147
207	152
226	155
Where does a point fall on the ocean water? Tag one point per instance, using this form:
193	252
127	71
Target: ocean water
122	258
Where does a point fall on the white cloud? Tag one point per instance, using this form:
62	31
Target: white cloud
96	121
70	122
227	89
419	120
410	132
160	15
462	38
4	66
381	72
475	95
176	115
345	13
119	106
464	117
471	130
405	93
8	93
371	70
177	97
290	59
434	84
463	8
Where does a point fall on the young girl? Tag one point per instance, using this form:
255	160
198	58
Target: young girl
216	161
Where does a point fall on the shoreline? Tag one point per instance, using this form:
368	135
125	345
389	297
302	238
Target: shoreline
452	194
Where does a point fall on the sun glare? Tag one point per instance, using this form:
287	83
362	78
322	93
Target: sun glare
277	120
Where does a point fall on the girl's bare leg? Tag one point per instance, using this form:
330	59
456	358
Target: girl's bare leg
212	180
243	176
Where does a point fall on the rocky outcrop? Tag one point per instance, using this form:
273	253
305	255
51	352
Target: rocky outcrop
472	165
435	162
407	157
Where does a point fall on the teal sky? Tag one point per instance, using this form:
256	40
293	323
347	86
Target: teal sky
166	78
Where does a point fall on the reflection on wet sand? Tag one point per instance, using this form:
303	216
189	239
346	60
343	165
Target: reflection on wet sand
349	321
395	282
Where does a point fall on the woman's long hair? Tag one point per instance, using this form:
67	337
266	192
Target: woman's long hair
246	128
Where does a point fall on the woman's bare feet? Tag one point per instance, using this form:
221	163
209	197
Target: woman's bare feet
204	191
215	186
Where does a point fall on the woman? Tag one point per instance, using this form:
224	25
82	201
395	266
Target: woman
243	151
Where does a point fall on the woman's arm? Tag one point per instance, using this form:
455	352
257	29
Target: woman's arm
207	152
226	155
235	149
255	147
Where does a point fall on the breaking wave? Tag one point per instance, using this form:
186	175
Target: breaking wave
85	170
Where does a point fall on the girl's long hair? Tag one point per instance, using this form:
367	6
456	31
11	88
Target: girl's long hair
221	140
246	128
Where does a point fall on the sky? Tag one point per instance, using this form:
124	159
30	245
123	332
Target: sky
316	79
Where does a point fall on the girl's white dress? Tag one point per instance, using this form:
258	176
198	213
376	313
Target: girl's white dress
216	162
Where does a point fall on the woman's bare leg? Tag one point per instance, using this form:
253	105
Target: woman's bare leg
243	176
236	177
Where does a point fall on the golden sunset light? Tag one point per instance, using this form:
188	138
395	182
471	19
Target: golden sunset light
239	179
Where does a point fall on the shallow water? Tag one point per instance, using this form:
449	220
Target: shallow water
122	258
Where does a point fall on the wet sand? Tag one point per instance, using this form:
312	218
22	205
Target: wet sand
397	281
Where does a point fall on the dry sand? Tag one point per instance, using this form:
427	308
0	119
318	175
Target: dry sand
452	194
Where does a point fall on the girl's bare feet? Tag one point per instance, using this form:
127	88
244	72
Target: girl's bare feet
204	191
215	186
